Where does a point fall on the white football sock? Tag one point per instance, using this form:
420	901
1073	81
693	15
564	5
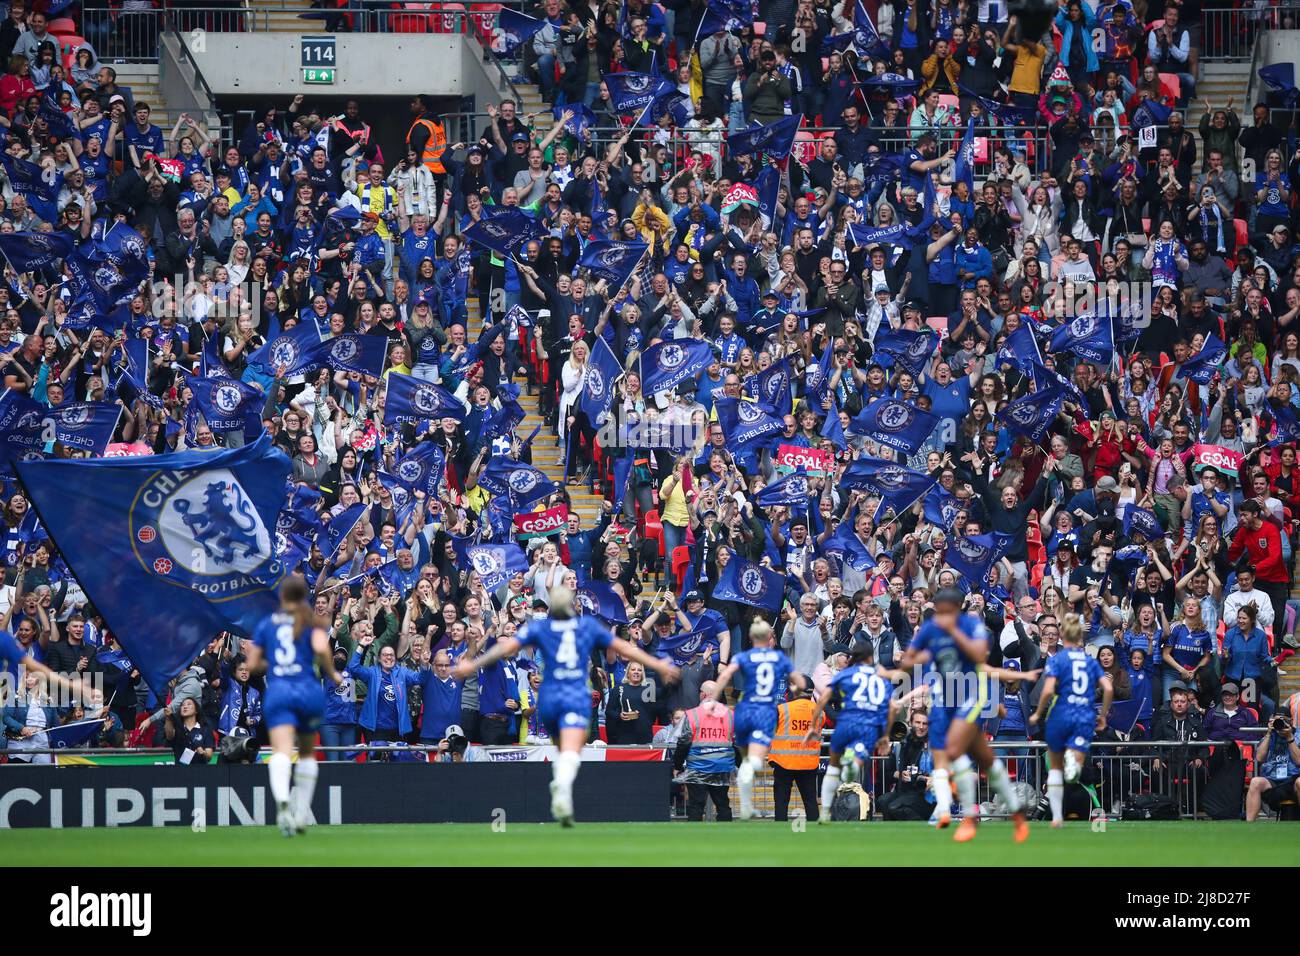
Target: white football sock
755	762
942	790
281	769
305	772
565	769
1000	781
963	774
830	783
1073	766
1056	794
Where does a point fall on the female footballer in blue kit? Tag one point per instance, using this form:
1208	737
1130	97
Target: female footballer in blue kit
564	698
295	700
868	706
763	671
1070	687
956	647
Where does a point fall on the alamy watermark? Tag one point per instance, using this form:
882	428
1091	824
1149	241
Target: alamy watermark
1071	299
70	689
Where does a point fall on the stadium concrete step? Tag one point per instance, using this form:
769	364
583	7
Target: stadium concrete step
547	450
282	16
142	80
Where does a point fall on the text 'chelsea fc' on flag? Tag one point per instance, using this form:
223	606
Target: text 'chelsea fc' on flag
171	549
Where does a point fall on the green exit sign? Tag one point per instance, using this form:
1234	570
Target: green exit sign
318	74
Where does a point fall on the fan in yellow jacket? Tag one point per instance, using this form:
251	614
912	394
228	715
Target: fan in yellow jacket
652	222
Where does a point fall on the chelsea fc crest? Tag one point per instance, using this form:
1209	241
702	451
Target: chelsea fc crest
344	350
425	400
672	356
205	531
521	481
227	398
751	582
284	353
896	416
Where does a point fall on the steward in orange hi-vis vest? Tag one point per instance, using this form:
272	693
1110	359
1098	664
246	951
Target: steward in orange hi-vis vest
788	747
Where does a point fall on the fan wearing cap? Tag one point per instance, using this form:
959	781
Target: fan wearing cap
1230	718
956	644
455	747
766	91
566	644
770	315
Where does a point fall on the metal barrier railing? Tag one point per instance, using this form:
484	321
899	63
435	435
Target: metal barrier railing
1114	774
1233	34
253	19
126	36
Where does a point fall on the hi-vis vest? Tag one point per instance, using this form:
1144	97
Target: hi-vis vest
434	147
711	739
792	723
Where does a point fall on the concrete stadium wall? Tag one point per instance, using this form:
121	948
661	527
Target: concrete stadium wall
373	64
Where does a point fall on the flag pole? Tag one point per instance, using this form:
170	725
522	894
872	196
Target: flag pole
908	507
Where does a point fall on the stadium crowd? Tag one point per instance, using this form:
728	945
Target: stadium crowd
1134	464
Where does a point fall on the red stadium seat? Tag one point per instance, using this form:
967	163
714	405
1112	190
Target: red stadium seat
408	23
804	147
1172	86
1242	232
62	26
483	17
681	561
68	44
654	529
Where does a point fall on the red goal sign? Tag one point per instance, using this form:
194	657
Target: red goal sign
538	523
1224	460
818	462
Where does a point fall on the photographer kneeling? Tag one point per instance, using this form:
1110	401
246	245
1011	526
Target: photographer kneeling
1278	759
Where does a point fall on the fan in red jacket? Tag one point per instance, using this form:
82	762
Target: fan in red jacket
1262	541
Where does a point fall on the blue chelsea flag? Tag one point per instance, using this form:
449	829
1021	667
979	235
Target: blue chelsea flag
895	423
496	563
1088	336
172	549
748	583
667	364
1200	368
791	491
746	422
410	399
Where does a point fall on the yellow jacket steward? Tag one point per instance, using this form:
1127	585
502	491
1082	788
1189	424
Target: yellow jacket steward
792	723
434	146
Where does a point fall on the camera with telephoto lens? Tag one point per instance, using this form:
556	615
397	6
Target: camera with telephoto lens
1279	723
238	747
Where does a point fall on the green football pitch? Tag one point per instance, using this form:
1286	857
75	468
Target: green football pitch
755	843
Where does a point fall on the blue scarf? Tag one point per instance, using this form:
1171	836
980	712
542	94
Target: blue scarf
1163	268
1217	243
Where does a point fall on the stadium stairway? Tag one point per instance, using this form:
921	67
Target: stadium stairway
1218	81
142	80
546	447
281	16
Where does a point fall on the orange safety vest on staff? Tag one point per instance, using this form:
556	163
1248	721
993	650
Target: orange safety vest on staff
792	723
434	146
